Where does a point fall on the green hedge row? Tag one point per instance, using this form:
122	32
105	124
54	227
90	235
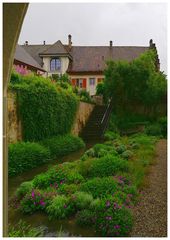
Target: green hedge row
45	109
26	155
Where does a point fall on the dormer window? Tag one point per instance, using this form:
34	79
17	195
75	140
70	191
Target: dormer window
55	64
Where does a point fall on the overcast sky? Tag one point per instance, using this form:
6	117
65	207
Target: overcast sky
126	24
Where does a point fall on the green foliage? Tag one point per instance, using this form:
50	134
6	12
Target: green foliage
136	82
63	145
45	108
85	218
100	187
163	123
109	135
22	229
127	154
24	188
112	219
82	200
34	201
153	130
121	148
84	96
102	149
24	156
59	208
108	166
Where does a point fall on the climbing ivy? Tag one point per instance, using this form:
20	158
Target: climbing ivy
45	108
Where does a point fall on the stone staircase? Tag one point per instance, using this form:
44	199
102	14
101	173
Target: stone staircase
94	128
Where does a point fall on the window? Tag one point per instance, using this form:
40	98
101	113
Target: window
91	81
55	64
79	82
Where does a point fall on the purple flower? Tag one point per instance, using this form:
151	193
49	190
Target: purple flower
65	206
108	204
116	226
108	217
33	194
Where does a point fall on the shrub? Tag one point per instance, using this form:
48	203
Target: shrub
85	96
33	201
62	145
121	148
45	108
68	188
127	154
154	130
24	188
108	166
163	123
100	187
102	149
109	135
59	208
82	200
25	155
85	218
113	220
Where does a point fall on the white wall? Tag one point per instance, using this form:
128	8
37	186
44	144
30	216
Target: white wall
64	65
90	89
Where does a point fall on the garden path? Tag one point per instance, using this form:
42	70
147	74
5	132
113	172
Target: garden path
150	217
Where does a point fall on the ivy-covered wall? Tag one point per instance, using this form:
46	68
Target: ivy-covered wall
44	108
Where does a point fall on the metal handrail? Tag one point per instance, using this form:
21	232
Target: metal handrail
106	115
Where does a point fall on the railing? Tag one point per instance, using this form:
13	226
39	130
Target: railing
106	116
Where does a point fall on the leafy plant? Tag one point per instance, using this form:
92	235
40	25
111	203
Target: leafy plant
82	200
85	217
23	229
154	130
46	109
24	188
62	145
24	156
127	154
59	208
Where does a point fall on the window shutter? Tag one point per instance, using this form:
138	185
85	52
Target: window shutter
84	82
73	80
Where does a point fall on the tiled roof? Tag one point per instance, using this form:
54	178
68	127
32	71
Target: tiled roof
56	49
23	56
89	59
86	58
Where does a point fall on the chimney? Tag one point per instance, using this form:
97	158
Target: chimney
151	43
111	44
44	42
69	41
26	43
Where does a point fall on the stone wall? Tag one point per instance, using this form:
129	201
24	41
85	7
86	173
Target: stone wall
14	124
83	113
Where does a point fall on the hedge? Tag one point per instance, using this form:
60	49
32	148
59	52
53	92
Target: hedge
45	109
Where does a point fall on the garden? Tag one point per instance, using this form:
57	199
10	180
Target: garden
95	194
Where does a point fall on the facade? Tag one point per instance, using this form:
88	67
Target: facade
84	64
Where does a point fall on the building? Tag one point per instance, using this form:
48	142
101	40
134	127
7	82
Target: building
24	63
84	64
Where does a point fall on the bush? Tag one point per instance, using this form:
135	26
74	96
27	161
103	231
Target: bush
85	96
100	187
59	208
45	108
163	123
121	148
111	135
63	145
85	218
24	188
154	130
82	200
68	189
108	166
127	154
33	201
102	149
112	219
24	156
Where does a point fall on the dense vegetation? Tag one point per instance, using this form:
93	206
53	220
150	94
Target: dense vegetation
135	83
99	190
46	109
24	156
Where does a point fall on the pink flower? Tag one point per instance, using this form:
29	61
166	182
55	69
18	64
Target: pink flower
116	226
33	194
108	204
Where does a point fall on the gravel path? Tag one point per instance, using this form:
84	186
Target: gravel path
150	217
